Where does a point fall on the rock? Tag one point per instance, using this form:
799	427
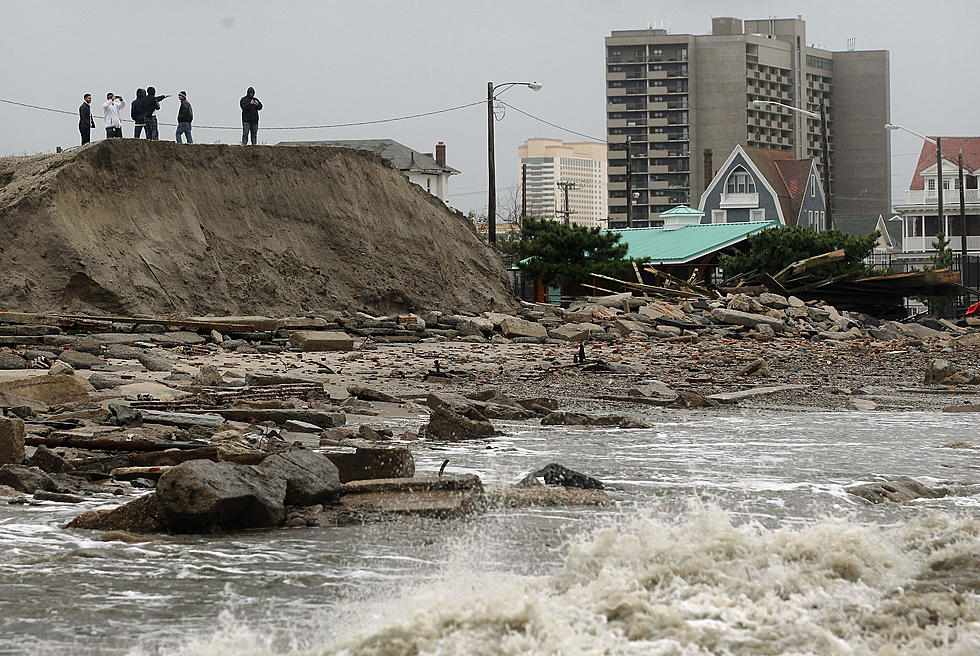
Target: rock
773	300
757	367
899	490
688	399
795	302
199	494
970	340
310	477
917	331
765	330
49	390
321	340
539	404
942	371
208	376
123	352
61	368
103	381
556	474
123	415
48	461
735	317
654	389
516	327
12	450
373	462
26	479
154	362
577	419
862	405
142	515
365	432
41	495
80	360
430	496
468	326
499	496
627	327
958	445
12	361
575	332
446	424
651	313
370	394
743	303
297	426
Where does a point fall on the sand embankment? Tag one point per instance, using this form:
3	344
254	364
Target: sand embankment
128	227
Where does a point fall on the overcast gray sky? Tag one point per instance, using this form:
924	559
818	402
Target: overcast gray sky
330	62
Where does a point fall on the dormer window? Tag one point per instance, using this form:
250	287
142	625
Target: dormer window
931	184
740	182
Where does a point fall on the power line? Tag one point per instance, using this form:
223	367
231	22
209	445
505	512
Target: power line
290	127
554	125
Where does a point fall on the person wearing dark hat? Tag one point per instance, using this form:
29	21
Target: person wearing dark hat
85	120
250	115
184	117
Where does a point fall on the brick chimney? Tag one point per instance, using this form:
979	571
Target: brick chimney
441	153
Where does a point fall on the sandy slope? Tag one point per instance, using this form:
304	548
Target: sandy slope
127	226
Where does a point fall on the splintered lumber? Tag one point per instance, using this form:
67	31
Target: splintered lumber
683	283
774	285
799	267
646	288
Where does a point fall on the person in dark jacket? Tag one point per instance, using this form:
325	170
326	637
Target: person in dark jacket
136	113
85	120
184	117
151	104
250	115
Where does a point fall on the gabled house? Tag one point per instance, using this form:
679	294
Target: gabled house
758	184
427	170
920	211
859	225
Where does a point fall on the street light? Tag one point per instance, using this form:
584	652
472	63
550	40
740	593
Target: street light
825	144
938	143
492	204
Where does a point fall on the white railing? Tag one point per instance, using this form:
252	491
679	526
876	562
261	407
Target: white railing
740	200
924	244
951	197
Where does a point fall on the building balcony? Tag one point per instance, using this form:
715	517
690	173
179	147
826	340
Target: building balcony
657	75
739	200
660	168
658	138
657	106
951	198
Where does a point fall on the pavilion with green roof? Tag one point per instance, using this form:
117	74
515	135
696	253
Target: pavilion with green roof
683	240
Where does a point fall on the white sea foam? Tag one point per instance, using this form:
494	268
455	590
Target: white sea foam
698	585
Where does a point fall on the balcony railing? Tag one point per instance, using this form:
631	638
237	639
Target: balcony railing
739	200
951	197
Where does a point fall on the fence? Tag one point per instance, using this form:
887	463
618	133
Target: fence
969	268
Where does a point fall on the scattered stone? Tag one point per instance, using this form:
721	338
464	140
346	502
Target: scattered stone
556	474
575	332
297	426
943	372
12	450
142	515
42	495
687	399
654	389
103	381
208	376
199	494
371	394
80	360
12	361
49	390
26	479
154	362
750	320
321	340
898	491
861	405
577	419
310	477
758	368
446	424
773	300
123	352
515	327
123	415
48	461
958	445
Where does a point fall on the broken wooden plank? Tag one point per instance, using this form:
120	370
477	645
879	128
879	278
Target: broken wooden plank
800	266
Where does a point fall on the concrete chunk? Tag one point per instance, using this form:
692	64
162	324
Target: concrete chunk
749	319
321	340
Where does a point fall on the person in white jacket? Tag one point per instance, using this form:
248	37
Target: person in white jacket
113	121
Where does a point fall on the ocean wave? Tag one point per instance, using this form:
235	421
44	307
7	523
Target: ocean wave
699	584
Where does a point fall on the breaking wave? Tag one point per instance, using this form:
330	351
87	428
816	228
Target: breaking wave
697	585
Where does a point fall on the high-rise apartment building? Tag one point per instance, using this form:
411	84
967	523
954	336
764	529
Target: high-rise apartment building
685	101
555	167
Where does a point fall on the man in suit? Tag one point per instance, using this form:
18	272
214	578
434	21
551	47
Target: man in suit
85	120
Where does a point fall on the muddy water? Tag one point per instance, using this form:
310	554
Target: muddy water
729	535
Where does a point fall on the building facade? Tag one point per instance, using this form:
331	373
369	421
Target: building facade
554	166
683	99
920	210
761	184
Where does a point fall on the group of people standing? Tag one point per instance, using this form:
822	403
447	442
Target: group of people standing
142	111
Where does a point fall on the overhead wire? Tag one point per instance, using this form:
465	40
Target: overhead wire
554	125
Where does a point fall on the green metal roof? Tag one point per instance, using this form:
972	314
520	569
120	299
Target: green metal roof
682	210
681	245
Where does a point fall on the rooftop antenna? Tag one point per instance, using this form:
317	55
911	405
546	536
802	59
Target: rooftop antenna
851	43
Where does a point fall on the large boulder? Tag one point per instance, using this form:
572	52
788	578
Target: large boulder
373	462
11	441
749	319
575	332
321	340
49	390
446	424
897	491
200	494
310	477
517	327
12	361
143	515
26	479
556	474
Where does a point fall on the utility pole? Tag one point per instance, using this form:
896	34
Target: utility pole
492	202
962	222
825	144
523	193
939	190
629	182
565	186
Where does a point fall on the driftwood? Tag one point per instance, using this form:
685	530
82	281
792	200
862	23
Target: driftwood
648	288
